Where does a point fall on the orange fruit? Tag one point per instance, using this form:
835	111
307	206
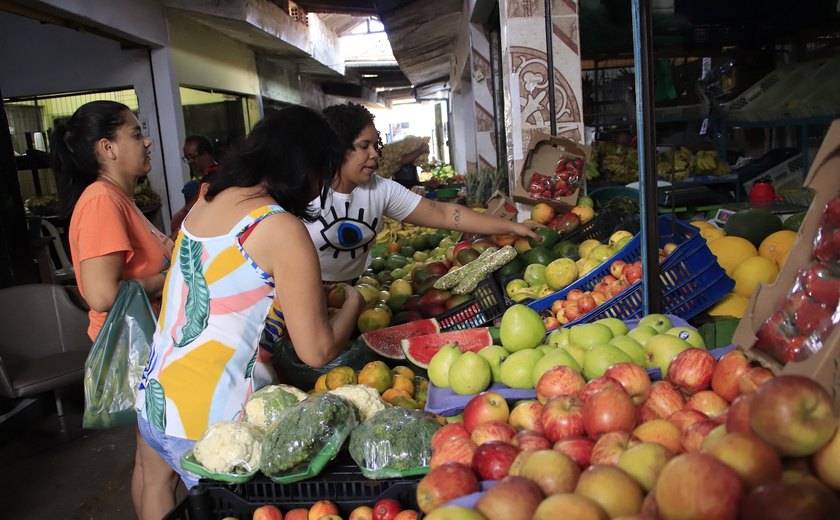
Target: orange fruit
372	319
776	246
376	375
321	384
340	376
402	370
392	393
403	383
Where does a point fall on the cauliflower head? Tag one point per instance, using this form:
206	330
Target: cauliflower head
364	399
229	447
264	406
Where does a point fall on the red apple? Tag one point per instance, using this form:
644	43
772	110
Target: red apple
557	381
784	500
691	370
599	298
322	508
385	509
598	384
526	415
530	440
574	295
664	399
492	460
738	417
633	273
512	498
707	402
660	431
608	411
793	414
586	304
697	485
610	446
755	461
571	506
486	406
609	278
447	432
550	323
617	268
632	378
571	311
684	418
492	431
557	307
728	371
579	449
457	450
615	491
693	436
267	512
826	462
562	417
444	483
755	377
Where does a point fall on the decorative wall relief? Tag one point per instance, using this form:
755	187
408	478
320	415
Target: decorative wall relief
531	68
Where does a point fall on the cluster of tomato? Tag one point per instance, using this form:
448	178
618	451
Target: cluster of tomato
802	323
564	182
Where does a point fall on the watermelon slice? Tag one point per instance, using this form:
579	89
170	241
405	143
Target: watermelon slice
386	341
420	349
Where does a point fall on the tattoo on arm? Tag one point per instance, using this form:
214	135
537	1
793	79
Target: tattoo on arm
456	213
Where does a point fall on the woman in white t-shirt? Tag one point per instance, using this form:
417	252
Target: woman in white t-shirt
353	212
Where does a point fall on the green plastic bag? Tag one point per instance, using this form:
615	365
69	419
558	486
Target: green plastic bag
115	364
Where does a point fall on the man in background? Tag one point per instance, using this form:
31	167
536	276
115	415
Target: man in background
198	154
190	190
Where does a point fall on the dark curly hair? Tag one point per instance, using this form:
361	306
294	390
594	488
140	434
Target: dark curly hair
292	152
348	121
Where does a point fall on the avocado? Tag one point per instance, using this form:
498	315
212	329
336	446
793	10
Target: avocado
538	255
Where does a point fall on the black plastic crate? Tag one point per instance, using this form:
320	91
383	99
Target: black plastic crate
212	500
487	304
602	227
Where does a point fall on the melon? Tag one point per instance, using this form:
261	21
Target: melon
385	342
420	349
754	224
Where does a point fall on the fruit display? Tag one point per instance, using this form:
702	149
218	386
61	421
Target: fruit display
382	509
802	322
374	384
620	163
718	438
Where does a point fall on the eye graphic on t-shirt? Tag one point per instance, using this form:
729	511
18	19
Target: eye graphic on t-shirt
347	233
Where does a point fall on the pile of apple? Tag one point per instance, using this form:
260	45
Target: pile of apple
383	509
717	440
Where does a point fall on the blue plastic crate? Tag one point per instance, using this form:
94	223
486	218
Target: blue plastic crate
692	280
670	230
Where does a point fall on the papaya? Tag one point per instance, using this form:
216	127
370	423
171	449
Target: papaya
752	224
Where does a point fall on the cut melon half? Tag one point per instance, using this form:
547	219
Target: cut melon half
420	349
385	342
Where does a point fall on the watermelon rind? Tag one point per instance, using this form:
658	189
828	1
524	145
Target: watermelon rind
385	342
420	349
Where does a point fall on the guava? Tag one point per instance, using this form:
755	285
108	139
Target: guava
521	328
440	364
535	274
494	354
552	359
469	374
589	334
601	357
518	368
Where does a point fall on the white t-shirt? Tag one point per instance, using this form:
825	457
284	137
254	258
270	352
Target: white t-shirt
348	224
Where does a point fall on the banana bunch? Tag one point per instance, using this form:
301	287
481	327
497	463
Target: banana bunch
622	164
395	230
677	165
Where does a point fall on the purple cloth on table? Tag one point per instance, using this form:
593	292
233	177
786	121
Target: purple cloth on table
443	401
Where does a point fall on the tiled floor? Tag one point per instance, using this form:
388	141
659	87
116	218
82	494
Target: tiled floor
78	475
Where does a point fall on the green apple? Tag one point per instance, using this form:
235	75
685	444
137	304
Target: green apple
618	327
658	322
631	347
494	354
688	334
601	357
578	352
521	328
469	374
440	364
518	368
661	349
552	359
642	333
589	334
558	337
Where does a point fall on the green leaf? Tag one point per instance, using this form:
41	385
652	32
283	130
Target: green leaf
197	306
249	370
156	405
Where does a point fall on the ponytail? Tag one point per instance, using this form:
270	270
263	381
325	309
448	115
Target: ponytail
74	160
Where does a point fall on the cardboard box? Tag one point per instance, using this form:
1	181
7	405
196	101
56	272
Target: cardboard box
502	206
822	366
544	152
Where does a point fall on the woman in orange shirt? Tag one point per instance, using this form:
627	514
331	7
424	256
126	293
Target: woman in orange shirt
98	156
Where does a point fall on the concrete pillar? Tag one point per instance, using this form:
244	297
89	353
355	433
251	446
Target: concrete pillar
525	73
482	88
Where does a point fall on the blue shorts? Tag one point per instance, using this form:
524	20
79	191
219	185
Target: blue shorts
170	448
